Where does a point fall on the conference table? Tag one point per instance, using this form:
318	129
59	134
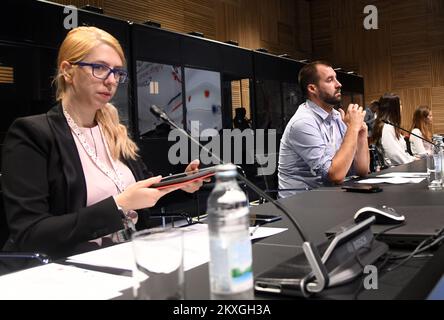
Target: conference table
319	210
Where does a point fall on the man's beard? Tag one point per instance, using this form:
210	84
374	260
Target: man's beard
330	99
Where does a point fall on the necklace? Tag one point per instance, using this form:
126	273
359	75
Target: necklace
115	176
94	141
130	217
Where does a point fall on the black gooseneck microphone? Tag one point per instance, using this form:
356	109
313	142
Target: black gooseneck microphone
396	126
311	252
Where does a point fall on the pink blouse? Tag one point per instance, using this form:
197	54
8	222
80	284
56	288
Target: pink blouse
98	185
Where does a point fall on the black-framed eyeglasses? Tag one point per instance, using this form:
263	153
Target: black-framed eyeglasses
101	71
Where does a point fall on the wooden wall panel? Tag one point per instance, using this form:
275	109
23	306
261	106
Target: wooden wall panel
200	16
435	31
412	70
435	7
287	12
438	109
81	3
269	10
287	26
6	75
409	35
272	24
405	55
232	2
228	21
408	9
286	38
235	96
127	10
377	74
412	98
321	33
169	14
376	43
303	28
250	24
344	13
437	66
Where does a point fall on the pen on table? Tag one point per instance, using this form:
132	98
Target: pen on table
254	230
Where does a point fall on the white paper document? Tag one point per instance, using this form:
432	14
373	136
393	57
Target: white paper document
196	249
60	282
393	180
404	175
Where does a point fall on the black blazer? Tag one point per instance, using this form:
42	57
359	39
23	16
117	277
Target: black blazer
44	190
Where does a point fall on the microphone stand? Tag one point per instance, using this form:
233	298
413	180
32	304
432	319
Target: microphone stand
398	127
319	271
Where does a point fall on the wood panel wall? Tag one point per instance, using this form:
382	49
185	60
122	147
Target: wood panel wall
405	55
281	26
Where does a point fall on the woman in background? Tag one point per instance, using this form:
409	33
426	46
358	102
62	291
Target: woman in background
72	178
421	126
388	139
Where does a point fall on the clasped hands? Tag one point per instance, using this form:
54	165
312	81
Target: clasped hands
354	119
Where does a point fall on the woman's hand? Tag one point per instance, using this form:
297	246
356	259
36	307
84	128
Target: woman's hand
191	187
139	195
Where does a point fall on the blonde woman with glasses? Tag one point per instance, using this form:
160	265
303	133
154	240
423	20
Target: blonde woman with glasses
72	179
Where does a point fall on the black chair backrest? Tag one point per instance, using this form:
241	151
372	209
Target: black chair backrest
4	230
270	181
409	146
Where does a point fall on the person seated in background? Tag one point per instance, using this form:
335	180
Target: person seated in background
240	120
421	126
388	139
72	178
370	117
321	145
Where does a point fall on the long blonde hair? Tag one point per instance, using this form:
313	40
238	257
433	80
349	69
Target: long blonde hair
76	46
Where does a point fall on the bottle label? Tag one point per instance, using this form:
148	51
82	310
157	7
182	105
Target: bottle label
231	263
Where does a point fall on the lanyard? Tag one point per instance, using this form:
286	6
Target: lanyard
115	176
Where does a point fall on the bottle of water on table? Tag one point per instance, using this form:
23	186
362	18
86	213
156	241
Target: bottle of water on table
230	266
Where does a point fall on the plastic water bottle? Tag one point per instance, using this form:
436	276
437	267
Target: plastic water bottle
231	275
440	141
435	164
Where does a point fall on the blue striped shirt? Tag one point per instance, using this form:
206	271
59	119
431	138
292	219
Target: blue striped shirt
308	145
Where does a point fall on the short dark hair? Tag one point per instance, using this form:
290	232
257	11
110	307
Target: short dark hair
309	74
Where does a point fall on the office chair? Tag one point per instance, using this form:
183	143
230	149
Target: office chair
409	146
377	155
4	230
13	261
270	181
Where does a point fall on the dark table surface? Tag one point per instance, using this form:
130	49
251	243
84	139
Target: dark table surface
317	211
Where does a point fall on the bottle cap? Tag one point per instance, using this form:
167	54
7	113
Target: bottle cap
226	170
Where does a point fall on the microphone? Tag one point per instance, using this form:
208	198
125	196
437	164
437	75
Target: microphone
396	126
161	114
318	279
